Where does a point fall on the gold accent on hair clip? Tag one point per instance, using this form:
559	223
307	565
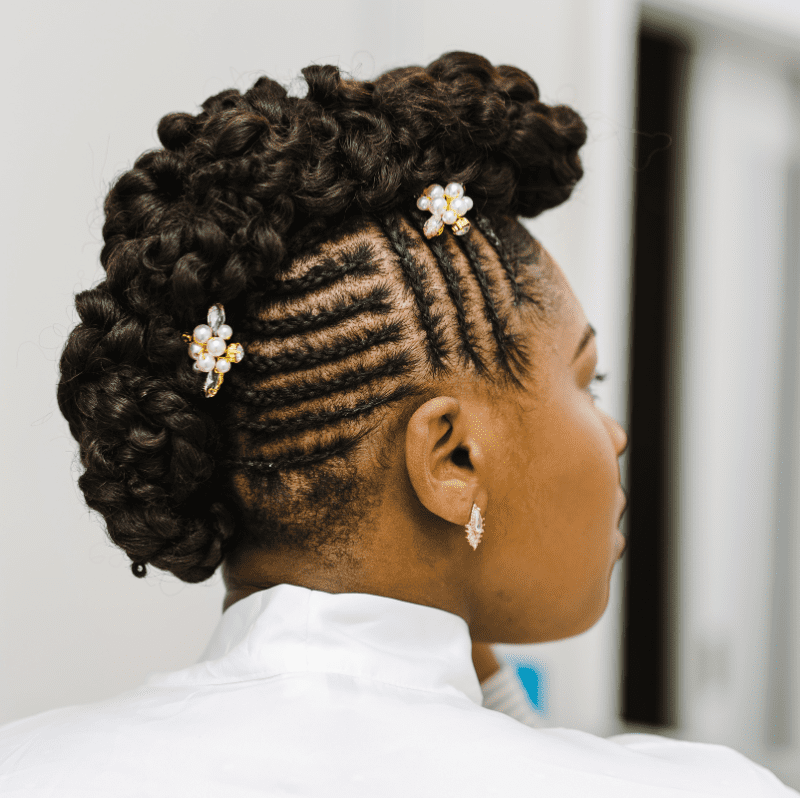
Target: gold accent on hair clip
209	350
447	206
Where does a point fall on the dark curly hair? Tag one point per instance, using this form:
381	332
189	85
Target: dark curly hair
298	215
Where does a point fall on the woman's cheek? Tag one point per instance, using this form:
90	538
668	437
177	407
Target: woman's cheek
603	472
583	455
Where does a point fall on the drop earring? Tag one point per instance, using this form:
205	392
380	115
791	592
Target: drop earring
475	527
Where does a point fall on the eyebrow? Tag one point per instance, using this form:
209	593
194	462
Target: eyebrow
587	336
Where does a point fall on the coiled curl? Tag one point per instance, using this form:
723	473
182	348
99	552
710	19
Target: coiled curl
217	215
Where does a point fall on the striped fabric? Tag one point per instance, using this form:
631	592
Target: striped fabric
503	692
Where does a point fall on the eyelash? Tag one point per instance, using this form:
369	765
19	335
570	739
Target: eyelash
596	378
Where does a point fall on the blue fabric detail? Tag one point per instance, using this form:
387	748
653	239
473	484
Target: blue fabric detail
533	682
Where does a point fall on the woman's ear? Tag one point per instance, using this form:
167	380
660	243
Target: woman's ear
445	459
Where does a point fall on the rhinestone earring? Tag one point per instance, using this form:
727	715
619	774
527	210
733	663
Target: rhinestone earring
475	527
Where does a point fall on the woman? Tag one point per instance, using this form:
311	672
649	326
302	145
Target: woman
328	358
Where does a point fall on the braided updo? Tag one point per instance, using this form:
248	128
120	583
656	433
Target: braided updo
297	214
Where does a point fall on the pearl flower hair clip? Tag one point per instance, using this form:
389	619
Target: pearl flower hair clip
447	206
209	350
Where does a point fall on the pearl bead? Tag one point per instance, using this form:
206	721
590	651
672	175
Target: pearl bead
224	331
423	203
448	217
195	350
216	347
223	365
435	191
195	366
454	190
202	333
468	201
438	206
459	206
206	362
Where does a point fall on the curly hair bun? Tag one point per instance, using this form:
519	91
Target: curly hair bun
236	192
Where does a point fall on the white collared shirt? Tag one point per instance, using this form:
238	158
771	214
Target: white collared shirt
307	693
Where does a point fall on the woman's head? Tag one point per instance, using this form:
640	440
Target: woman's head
527	445
298	215
358	334
543	461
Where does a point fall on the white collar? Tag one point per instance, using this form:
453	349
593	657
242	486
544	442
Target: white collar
288	628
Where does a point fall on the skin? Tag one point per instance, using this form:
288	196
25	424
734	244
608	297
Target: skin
542	465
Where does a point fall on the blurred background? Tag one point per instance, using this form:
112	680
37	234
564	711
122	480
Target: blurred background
682	243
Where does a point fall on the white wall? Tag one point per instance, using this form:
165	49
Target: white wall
86	84
733	350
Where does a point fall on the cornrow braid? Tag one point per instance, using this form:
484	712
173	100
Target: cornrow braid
415	277
394	365
376	302
489	234
283	427
299	458
306	358
454	292
505	343
358	262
